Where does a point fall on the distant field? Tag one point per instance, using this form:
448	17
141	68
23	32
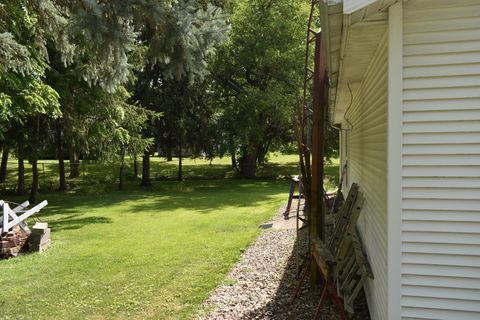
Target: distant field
104	175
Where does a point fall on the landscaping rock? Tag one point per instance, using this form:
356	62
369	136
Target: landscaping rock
262	283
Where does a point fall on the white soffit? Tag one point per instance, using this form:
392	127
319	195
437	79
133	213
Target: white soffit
352	31
360	44
331	16
350	6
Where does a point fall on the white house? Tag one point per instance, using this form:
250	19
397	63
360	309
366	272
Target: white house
405	90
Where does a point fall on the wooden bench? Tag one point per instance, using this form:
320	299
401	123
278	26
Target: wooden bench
341	260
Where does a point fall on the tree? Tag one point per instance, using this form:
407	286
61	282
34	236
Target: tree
32	101
79	104
159	89
145	92
183	33
4	162
25	98
258	72
128	138
113	128
89	46
188	118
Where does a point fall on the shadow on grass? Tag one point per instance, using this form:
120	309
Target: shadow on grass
209	196
70	211
99	177
72	222
200	196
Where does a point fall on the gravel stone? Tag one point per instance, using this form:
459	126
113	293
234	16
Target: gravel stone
264	280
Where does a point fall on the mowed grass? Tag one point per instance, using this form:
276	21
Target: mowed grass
137	254
152	253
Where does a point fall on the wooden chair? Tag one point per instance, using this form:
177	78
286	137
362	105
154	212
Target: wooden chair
341	261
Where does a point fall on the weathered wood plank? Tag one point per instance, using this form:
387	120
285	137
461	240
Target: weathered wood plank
342	219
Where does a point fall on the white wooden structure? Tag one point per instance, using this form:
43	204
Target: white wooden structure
405	91
11	219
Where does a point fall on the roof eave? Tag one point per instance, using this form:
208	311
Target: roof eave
335	29
331	16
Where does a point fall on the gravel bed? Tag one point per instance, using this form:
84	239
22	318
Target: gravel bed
262	283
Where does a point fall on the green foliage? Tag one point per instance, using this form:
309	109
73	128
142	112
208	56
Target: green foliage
258	75
331	142
183	34
20	49
14	56
194	35
72	59
23	62
122	131
188	117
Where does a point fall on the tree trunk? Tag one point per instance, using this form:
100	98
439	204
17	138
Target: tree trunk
146	170
248	163
234	161
121	175
169	147
262	153
233	153
135	168
61	175
3	167
74	164
34	160
180	171
21	176
168	150
34	190
61	162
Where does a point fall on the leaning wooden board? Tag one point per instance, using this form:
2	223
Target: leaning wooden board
343	259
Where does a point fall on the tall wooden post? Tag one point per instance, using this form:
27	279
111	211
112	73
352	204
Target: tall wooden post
317	225
317	209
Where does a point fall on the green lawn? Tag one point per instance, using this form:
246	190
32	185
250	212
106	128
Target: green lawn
141	253
137	254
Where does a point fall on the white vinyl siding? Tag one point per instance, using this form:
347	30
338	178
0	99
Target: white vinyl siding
440	239
364	146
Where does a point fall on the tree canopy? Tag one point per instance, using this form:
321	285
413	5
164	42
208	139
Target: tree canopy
103	33
258	77
65	66
97	79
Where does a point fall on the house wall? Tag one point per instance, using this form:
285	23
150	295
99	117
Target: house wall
363	146
440	176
